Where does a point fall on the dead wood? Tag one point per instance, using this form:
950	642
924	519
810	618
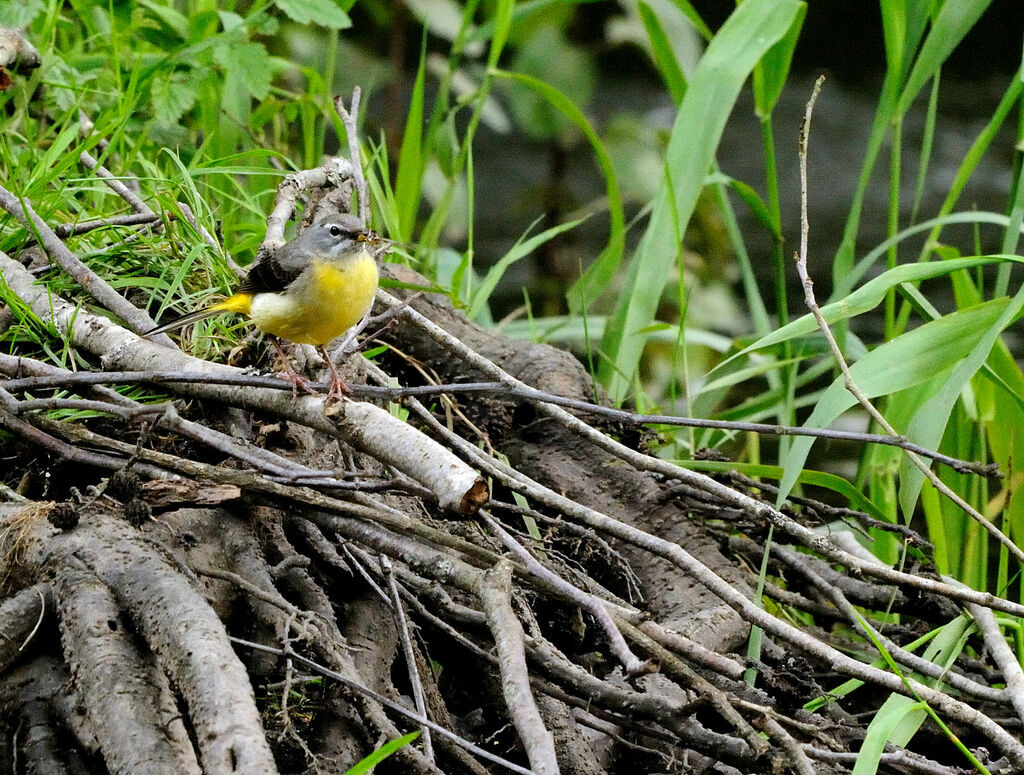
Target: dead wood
238	581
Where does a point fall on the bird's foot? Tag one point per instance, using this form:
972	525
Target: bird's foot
297	381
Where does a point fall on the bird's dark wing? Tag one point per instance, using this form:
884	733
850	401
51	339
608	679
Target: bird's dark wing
273	272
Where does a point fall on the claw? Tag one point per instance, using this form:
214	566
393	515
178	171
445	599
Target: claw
338	389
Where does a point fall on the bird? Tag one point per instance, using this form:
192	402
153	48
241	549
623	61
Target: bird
310	290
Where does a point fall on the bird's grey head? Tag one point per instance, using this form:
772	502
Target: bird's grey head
333	235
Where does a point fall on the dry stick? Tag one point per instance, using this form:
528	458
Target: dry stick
69	452
262	459
1002	655
526	393
735	599
597	607
659	709
715	697
897	760
621	415
390	704
333	172
116	185
65	230
349	119
797	757
589	689
848	381
91	282
190	217
402	621
494	590
795	561
724	493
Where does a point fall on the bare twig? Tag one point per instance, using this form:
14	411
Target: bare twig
402	622
116	185
389	704
494	589
349	119
525	393
1002	655
848	381
632	664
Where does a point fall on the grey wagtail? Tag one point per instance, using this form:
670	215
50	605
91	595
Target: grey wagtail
310	290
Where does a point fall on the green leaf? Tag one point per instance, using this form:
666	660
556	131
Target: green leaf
695	19
771	72
890	722
381	754
908	360
169	16
409	178
593	281
753	28
664	57
547	55
954	20
248	63
869	296
325	13
502	27
172	96
752	199
929	424
520	250
20	14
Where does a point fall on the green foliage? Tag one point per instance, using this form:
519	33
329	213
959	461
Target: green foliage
381	754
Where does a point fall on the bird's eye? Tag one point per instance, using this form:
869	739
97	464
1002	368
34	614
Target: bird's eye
335	231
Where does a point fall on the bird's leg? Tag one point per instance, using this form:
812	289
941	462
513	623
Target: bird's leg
288	373
338	389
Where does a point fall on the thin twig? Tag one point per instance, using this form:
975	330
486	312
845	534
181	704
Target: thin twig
116	184
848	381
524	392
631	662
402	622
349	119
494	590
387	703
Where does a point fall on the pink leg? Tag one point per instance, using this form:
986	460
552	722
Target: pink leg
288	373
338	389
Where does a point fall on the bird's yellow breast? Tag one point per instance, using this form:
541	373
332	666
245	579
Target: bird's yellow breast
323	303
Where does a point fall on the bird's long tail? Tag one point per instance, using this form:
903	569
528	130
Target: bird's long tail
240	302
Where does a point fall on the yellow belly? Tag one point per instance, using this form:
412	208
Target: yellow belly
321	306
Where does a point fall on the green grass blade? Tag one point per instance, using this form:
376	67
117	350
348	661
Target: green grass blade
867	297
753	28
409	178
929	424
771	72
520	250
893	720
954	20
906	361
594	280
664	57
381	754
